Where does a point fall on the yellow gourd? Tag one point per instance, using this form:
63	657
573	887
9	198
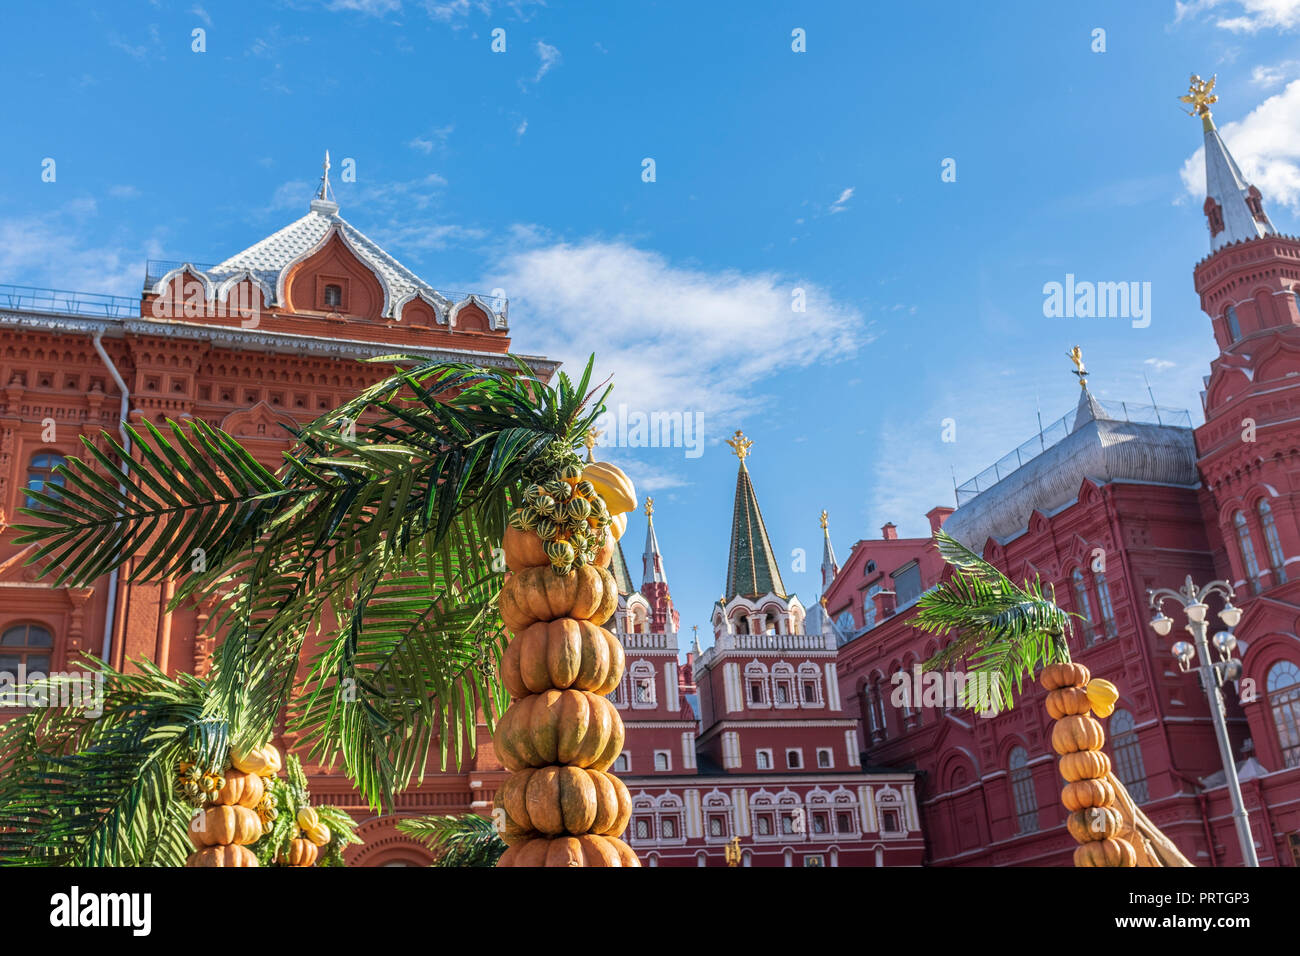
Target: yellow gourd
1102	695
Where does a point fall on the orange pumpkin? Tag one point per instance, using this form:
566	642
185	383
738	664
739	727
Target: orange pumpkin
231	854
1066	702
1079	732
1056	676
524	549
225	824
539	594
243	789
586	850
1109	852
573	727
1087	793
301	853
1085	765
556	800
560	654
1093	823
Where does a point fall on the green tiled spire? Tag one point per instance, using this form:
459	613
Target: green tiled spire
752	568
618	568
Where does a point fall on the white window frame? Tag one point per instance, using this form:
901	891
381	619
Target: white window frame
668	761
759	753
829	753
794	750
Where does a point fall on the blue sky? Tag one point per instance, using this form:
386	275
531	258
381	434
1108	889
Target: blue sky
774	171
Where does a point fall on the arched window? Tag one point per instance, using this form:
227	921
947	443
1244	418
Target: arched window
1022	788
1272	543
1284	701
1104	605
1247	551
1128	755
1234	327
41	476
1083	607
333	295
28	644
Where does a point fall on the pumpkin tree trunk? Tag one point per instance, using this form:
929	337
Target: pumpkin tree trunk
232	806
1109	827
560	735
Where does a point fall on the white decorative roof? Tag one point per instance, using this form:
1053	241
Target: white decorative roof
269	262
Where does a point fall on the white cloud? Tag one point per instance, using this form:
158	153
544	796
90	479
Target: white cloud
1244	16
374	8
124	192
50	250
548	56
1159	364
202	14
1269	76
1266	144
423	145
839	204
295	194
677	338
521	128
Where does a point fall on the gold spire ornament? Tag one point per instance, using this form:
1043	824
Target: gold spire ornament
649	507
1076	356
823	519
740	445
1200	95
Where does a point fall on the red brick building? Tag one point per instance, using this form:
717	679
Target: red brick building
1106	503
278	333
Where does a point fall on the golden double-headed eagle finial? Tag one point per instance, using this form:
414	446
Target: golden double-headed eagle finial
1200	96
649	507
823	519
740	445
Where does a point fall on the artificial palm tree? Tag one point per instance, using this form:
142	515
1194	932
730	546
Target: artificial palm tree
371	552
465	840
1003	634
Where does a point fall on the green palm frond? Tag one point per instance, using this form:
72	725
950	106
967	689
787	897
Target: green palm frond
467	840
367	552
1003	632
99	790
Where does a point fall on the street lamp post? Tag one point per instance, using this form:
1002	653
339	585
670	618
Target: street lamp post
1213	674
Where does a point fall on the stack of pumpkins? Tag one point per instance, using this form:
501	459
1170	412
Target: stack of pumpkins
1088	795
222	831
304	849
559	807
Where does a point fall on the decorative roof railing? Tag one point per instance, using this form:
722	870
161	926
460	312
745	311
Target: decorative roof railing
25	298
1058	431
658	641
156	269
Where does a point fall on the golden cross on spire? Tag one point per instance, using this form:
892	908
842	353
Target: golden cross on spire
1076	356
823	519
649	507
590	440
740	445
1200	94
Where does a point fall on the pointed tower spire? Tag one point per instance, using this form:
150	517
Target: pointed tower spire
1088	408
324	200
752	568
652	562
830	567
1233	208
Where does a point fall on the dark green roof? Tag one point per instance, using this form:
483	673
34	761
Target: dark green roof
618	568
752	568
